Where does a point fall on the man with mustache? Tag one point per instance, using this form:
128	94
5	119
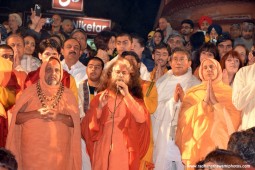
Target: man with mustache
117	126
46	122
71	51
170	86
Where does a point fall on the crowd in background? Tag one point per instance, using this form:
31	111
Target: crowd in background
195	86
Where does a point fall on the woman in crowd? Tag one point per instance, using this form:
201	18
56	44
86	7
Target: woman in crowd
230	63
208	50
207	117
243	52
157	39
28	61
14	22
105	44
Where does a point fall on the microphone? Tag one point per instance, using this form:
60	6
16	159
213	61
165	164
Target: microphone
118	87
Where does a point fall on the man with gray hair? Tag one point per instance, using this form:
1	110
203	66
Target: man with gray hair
247	34
175	40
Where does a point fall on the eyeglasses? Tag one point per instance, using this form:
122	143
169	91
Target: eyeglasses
186	27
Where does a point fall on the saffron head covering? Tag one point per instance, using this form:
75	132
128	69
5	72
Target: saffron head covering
49	89
218	67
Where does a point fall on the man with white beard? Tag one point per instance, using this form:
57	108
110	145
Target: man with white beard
171	86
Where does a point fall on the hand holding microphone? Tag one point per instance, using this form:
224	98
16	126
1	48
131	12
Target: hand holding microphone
122	87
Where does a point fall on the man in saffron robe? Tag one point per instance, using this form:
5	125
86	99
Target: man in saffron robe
116	128
207	117
45	128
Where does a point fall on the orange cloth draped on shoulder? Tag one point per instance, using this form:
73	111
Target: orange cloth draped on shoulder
130	138
8	89
5	70
202	129
150	97
44	145
21	77
153	73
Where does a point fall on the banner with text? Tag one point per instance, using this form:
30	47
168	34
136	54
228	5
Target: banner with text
70	5
91	25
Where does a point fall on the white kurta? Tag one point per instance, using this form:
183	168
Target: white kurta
165	118
243	96
78	71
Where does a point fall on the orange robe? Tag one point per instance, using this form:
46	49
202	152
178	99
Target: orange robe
44	145
150	97
7	99
21	77
130	138
200	130
8	89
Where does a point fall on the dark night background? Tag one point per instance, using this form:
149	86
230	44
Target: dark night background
133	16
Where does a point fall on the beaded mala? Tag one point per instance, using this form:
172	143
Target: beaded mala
56	98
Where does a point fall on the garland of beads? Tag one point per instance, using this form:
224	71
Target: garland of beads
56	97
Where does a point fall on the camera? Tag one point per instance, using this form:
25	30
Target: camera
49	21
37	10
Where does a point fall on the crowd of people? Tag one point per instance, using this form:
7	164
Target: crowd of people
181	99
